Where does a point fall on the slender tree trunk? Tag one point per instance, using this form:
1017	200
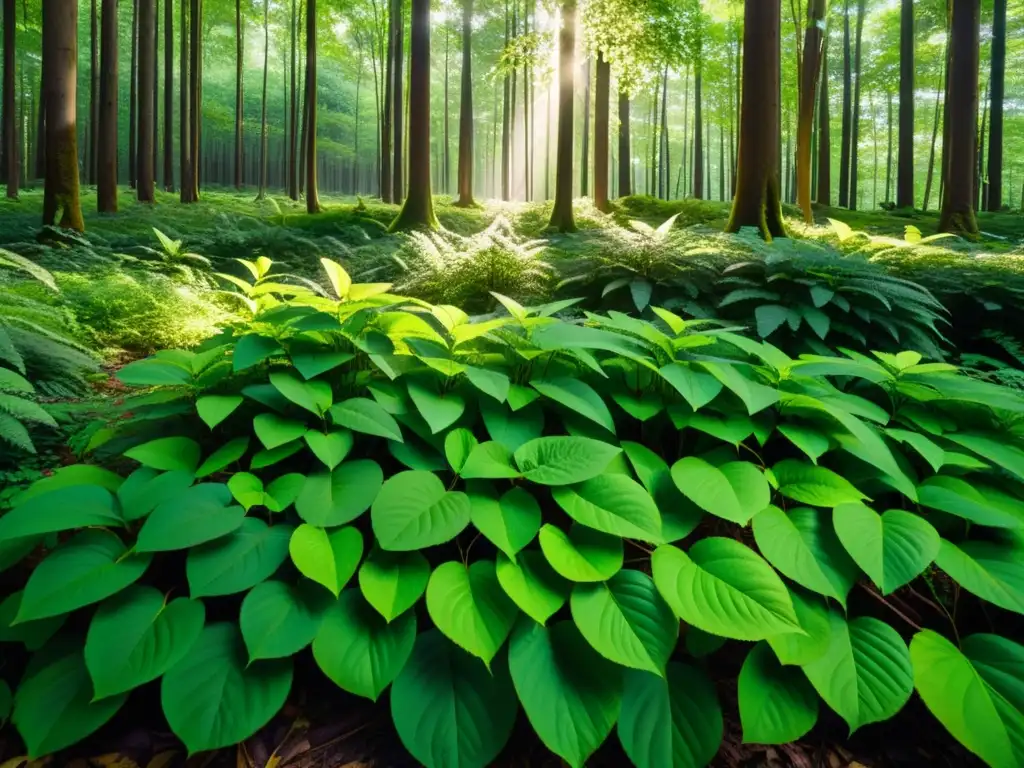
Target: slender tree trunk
855	126
757	202
11	169
721	163
168	95
958	194
312	190
625	157
106	191
466	110
601	119
293	110
261	182
184	107
698	132
562	214
844	150
41	124
824	196
686	136
94	95
979	180
195	113
239	98
133	98
905	169
446	177
398	185
874	142
527	116
998	92
156	88
585	162
147	60
387	193
60	52
817	11
663	163
888	159
506	145
935	135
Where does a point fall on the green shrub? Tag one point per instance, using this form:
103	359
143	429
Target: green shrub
525	512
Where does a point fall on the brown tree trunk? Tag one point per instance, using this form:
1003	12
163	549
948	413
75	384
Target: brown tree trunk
585	160
855	125
905	161
664	179
398	94
184	107
844	150
935	135
11	167
40	157
133	99
169	95
293	113
506	138
312	190
958	194
998	91
561	214
239	98
94	94
888	156
147	59
386	192
156	88
195	52
824	196
466	110
602	87
60	52
625	160
817	11
261	183
757	202
106	191
698	133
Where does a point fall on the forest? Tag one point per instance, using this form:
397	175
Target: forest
466	383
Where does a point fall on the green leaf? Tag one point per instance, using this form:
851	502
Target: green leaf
510	522
489	382
809	440
626	621
328	499
234	563
803	546
777	704
214	698
672	720
512	429
53	708
564	460
533	584
329	559
278	620
330	447
571	694
247	489
415	454
994	448
756	397
340	280
275	431
252	349
224	456
583	554
994	571
469	606
63	509
736	491
392	582
167	453
614	504
458	445
893	548
135	636
360	414
449	709
643	407
197	515
311	365
34	634
282	491
489	461
960	498
274	455
865	675
812	614
145	489
928	450
413	511
697	388
213	409
724	588
313	396
73	474
975	694
810	484
358	650
83	570
679	515
440	411
152	372
579	397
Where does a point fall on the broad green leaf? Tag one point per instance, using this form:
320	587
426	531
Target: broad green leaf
579	397
458	445
679	515
440	411
571	694
928	450
34	634
329	499
626	620
613	504
275	431
73	474
469	606
278	620
975	693
63	509
994	571
145	489
512	428
167	453
234	563
583	554
672	720
564	460
803	546
808	439
340	280
392	582
83	570
311	365
697	388
272	456
213	409
812	614
736	491
509	522
865	675
252	349
642	407
282	491
360	414
489	382
893	548
449	709
414	511
153	372
199	514
214	698
532	584
963	499
224	456
313	396
246	489
330	447
810	484
724	588
756	397
329	559
360	651
489	461
769	318
995	448
777	704
136	636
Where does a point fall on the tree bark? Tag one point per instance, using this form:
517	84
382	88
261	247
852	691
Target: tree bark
506	143
184	107
156	88
757	202
844	149
239	102
824	196
561	214
997	92
106	191
312	190
817	10
195	72
958	195
147	60
94	95
602	87
466	110
888	158
979	180
11	167
261	182
60	53
698	132
169	95
664	179
625	160
398	93
905	161
133	99
585	160
855	126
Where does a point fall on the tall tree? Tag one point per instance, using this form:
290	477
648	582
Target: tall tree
466	110
810	68
168	95
262	179
293	112
905	161
561	214
625	155
10	167
888	157
60	57
418	209
184	107
506	123
195	95
958	193
239	100
602	88
757	202
844	148
147	60
446	160
824	195
998	92
585	159
133	97
94	94
855	124
312	189
106	191
698	131
398	93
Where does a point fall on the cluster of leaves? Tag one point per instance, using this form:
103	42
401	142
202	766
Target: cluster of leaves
445	507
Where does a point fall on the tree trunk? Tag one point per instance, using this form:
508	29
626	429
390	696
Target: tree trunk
466	110
147	60
312	190
60	53
757	202
169	95
998	90
156	88
824	195
844	150
935	135
958	195
663	161
527	117
817	10
41	124
601	146
905	161
888	159
239	98
625	160
106	191
698	133
261	182
855	126
561	214
979	180
506	146
195	110
11	169
184	107
133	98
418	210
386	192
94	95
398	93
585	160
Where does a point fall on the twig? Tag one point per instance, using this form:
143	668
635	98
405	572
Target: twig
891	607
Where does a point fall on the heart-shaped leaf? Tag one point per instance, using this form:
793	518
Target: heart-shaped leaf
509	522
236	562
564	460
327	558
893	548
532	584
278	620
328	499
330	447
439	411
583	554
777	704
736	491
392	582
360	414
612	503
414	511
275	431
